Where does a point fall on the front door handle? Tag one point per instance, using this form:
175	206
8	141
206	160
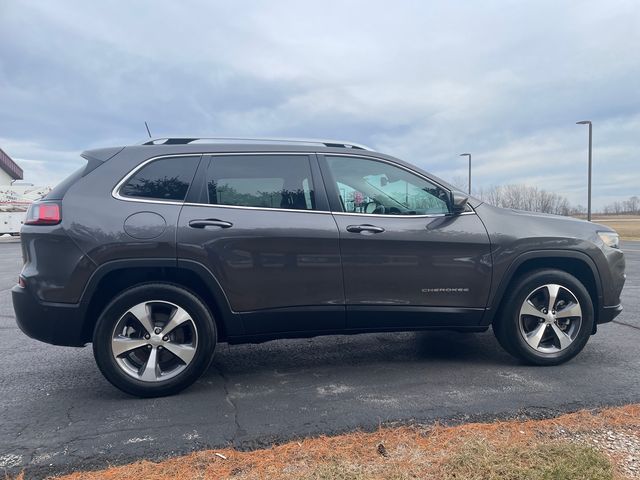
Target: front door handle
210	222
364	229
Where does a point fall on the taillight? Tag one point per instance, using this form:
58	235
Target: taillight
43	214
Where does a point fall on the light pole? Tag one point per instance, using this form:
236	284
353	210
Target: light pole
588	122
468	155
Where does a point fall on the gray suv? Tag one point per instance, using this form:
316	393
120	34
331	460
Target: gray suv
156	252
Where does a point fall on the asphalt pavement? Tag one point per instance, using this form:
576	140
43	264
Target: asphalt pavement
57	412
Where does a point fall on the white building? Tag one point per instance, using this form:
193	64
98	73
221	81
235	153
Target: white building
15	198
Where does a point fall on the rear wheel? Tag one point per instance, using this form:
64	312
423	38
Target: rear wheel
154	340
546	319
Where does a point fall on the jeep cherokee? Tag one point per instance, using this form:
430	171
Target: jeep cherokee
155	253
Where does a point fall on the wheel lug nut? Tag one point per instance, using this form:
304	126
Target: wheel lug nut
165	339
147	336
157	330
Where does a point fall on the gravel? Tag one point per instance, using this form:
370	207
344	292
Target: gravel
622	445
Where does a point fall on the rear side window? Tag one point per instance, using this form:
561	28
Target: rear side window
266	181
164	179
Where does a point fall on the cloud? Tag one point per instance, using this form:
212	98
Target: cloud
423	81
42	166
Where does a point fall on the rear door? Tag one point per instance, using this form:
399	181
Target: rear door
261	224
408	261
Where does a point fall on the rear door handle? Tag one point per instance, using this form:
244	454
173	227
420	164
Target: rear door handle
364	228
210	222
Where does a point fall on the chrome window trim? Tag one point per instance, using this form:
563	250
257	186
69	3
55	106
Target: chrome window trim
428	215
240	207
291	210
115	193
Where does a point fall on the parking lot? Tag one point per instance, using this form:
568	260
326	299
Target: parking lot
57	412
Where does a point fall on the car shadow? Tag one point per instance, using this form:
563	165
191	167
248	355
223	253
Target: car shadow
375	349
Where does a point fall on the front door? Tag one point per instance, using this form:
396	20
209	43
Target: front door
407	260
260	223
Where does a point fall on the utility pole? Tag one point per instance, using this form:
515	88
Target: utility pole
468	155
588	122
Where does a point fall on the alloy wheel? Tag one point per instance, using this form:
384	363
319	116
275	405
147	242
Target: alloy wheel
154	341
550	318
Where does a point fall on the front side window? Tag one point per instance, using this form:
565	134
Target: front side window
373	187
265	181
164	179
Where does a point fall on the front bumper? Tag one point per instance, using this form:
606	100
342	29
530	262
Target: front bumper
55	323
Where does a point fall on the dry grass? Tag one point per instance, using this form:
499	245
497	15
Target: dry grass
627	226
542	449
546	460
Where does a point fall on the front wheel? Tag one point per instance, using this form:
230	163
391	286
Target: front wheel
547	318
154	339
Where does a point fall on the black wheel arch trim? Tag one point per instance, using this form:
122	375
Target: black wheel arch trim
231	323
508	277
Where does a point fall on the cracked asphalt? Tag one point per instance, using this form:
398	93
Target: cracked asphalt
58	414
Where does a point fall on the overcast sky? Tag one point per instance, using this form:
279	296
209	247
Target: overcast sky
423	81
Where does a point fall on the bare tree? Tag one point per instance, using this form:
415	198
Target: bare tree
460	182
523	197
578	210
630	206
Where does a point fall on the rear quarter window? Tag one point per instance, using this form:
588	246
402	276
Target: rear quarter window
163	179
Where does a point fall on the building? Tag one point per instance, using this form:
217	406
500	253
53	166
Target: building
9	170
14	198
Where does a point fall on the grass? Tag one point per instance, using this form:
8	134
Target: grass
557	448
480	461
545	461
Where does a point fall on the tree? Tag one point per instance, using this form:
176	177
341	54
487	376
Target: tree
460	182
631	206
523	197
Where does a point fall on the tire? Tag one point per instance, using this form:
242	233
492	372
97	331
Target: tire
123	345
560	333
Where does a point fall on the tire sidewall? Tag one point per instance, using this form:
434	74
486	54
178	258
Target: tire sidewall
201	316
509	330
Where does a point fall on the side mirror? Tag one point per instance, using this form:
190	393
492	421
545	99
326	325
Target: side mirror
459	202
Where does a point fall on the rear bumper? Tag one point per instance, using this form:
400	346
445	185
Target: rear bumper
55	323
609	313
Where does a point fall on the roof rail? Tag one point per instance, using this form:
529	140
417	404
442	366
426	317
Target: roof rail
188	140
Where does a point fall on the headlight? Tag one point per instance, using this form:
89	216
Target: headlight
610	239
